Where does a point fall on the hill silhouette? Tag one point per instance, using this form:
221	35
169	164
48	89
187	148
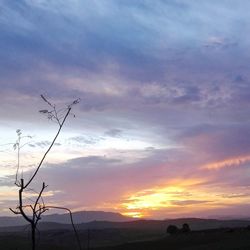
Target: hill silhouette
79	217
131	234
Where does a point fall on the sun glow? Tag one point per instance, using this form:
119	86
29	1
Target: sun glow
182	196
134	214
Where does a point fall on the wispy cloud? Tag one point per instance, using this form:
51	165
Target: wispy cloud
233	162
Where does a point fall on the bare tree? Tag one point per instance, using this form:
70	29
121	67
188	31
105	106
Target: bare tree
32	212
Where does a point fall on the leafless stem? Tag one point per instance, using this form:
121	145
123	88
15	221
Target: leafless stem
72	222
39	207
51	145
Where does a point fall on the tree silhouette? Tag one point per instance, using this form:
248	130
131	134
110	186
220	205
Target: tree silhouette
32	212
185	228
172	229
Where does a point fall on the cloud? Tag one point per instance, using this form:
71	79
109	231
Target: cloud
85	139
221	142
238	161
189	202
42	144
95	177
83	36
219	43
115	132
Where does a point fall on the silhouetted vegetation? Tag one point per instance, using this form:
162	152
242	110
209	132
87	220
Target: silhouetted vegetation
172	229
32	212
185	228
135	235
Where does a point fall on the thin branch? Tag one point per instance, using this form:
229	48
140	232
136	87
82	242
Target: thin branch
31	189
45	99
51	145
72	223
38	206
18	145
17	183
21	203
36	203
15	212
39	195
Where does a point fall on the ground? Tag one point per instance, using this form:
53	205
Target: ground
220	239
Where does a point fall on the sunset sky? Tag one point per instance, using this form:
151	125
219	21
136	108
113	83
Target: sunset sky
163	126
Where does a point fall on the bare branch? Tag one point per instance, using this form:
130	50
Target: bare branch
45	99
38	207
15	212
51	145
72	222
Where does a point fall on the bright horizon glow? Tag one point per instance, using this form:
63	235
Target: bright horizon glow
178	194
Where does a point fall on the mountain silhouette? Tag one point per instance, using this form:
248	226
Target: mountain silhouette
79	217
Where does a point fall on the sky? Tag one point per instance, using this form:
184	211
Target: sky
162	129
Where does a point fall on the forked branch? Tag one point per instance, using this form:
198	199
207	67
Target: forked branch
38	208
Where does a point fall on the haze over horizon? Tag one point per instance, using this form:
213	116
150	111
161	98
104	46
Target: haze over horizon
163	126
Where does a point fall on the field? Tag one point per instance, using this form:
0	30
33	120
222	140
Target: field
209	240
131	239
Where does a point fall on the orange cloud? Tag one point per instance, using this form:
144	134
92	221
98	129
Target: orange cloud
236	161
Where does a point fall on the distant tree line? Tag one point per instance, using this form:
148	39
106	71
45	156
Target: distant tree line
173	229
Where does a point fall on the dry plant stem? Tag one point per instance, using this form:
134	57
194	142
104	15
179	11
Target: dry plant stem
51	145
38	208
36	214
72	223
22	212
18	159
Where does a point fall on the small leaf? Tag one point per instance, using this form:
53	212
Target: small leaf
44	111
19	132
42	96
76	101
